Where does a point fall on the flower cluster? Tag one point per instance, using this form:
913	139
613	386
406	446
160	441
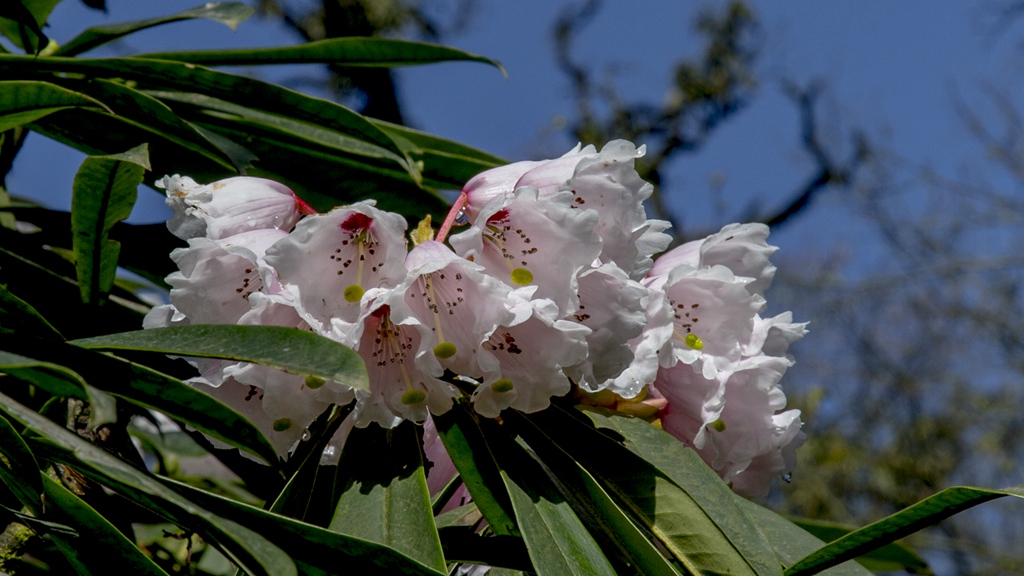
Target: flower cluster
552	288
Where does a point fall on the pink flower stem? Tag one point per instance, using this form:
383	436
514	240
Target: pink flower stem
449	220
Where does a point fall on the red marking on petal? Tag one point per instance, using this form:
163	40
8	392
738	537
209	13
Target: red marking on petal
381	312
356	222
499	216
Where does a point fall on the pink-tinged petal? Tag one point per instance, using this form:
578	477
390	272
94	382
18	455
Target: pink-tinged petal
733	420
742	248
403	371
531	356
217	277
503	180
526	240
644	365
713	317
330	260
459	302
229	207
442	469
612	307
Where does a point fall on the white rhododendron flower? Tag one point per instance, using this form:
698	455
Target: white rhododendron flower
230	206
330	260
551	292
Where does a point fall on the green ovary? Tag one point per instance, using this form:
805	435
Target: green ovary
522	276
445	350
502	385
413	397
353	293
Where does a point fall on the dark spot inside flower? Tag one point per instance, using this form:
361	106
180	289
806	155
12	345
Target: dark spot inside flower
357	222
499	216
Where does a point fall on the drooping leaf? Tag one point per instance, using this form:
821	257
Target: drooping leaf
555	537
187	77
99	548
462	434
154	116
610	525
893	557
687	507
143	386
289	349
384	495
790	542
254	553
927	512
22	21
308	544
19	469
104	194
229	13
25	101
18	315
347	52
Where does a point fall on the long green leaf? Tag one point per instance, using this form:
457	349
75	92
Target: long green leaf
19	469
889	558
147	388
154	116
25	101
313	133
384	495
104	193
678	497
229	13
254	553
187	77
927	512
289	349
611	525
463	437
347	52
790	542
99	548
555	537
61	382
18	315
307	544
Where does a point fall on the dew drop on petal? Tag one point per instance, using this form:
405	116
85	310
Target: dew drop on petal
522	276
306	435
353	293
502	385
694	342
282	424
413	397
787	478
314	382
461	219
445	350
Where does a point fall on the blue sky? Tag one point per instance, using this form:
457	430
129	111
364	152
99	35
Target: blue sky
892	69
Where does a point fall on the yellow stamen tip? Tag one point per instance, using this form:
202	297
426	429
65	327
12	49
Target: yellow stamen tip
694	342
422	233
445	350
282	424
718	425
413	397
353	293
522	276
314	382
502	385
